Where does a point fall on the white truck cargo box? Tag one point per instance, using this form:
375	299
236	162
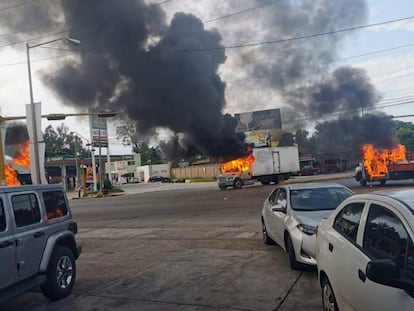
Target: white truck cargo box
275	160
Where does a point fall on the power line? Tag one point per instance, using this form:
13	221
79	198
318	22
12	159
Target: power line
342	112
260	43
36	60
333	61
239	12
16	5
305	36
31	29
36	38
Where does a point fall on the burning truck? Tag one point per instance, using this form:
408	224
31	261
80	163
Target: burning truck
384	164
266	165
17	168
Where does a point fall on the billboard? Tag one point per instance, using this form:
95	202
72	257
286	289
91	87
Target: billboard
262	128
99	131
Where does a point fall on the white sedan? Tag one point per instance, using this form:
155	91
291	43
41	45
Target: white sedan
365	253
291	213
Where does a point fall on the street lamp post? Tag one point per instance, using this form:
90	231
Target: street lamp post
37	177
76	164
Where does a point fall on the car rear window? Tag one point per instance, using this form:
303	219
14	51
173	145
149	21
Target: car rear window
318	198
55	204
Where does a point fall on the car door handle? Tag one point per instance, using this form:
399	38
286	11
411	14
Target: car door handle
38	234
330	247
362	275
6	244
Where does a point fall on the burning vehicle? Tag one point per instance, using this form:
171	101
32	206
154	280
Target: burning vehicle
262	164
384	164
17	168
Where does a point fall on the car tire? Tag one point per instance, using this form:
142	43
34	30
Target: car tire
328	296
61	274
238	184
223	187
266	239
294	264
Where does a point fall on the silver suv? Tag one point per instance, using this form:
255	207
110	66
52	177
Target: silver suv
37	241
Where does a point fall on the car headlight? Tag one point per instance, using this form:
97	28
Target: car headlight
309	230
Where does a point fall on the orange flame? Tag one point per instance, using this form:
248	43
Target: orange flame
238	165
11	176
22	159
377	160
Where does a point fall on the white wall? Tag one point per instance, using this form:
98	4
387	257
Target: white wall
152	170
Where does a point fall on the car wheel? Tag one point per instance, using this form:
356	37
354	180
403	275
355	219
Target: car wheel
328	297
223	187
237	184
266	239
61	274
292	257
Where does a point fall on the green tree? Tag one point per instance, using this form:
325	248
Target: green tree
140	144
60	141
405	133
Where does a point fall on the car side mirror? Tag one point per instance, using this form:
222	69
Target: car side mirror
386	272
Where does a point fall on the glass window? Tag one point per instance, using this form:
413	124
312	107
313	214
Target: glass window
55	204
3	224
278	197
273	196
318	198
347	221
385	236
26	209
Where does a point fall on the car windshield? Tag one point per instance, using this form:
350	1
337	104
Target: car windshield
318	198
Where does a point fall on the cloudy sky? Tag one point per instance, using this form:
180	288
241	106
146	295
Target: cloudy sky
207	58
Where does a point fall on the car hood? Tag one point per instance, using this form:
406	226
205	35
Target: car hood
312	218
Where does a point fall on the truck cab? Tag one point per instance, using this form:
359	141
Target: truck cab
235	178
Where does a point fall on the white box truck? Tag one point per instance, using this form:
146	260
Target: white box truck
266	165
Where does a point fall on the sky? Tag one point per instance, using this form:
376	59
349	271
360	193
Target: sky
250	74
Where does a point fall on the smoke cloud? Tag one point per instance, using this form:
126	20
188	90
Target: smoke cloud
16	133
135	61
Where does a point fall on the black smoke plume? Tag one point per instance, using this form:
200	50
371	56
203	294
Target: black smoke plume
131	59
16	133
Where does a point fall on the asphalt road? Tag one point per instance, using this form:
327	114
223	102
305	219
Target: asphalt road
182	247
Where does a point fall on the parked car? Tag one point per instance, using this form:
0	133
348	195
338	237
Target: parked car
37	241
308	170
291	213
365	253
156	178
